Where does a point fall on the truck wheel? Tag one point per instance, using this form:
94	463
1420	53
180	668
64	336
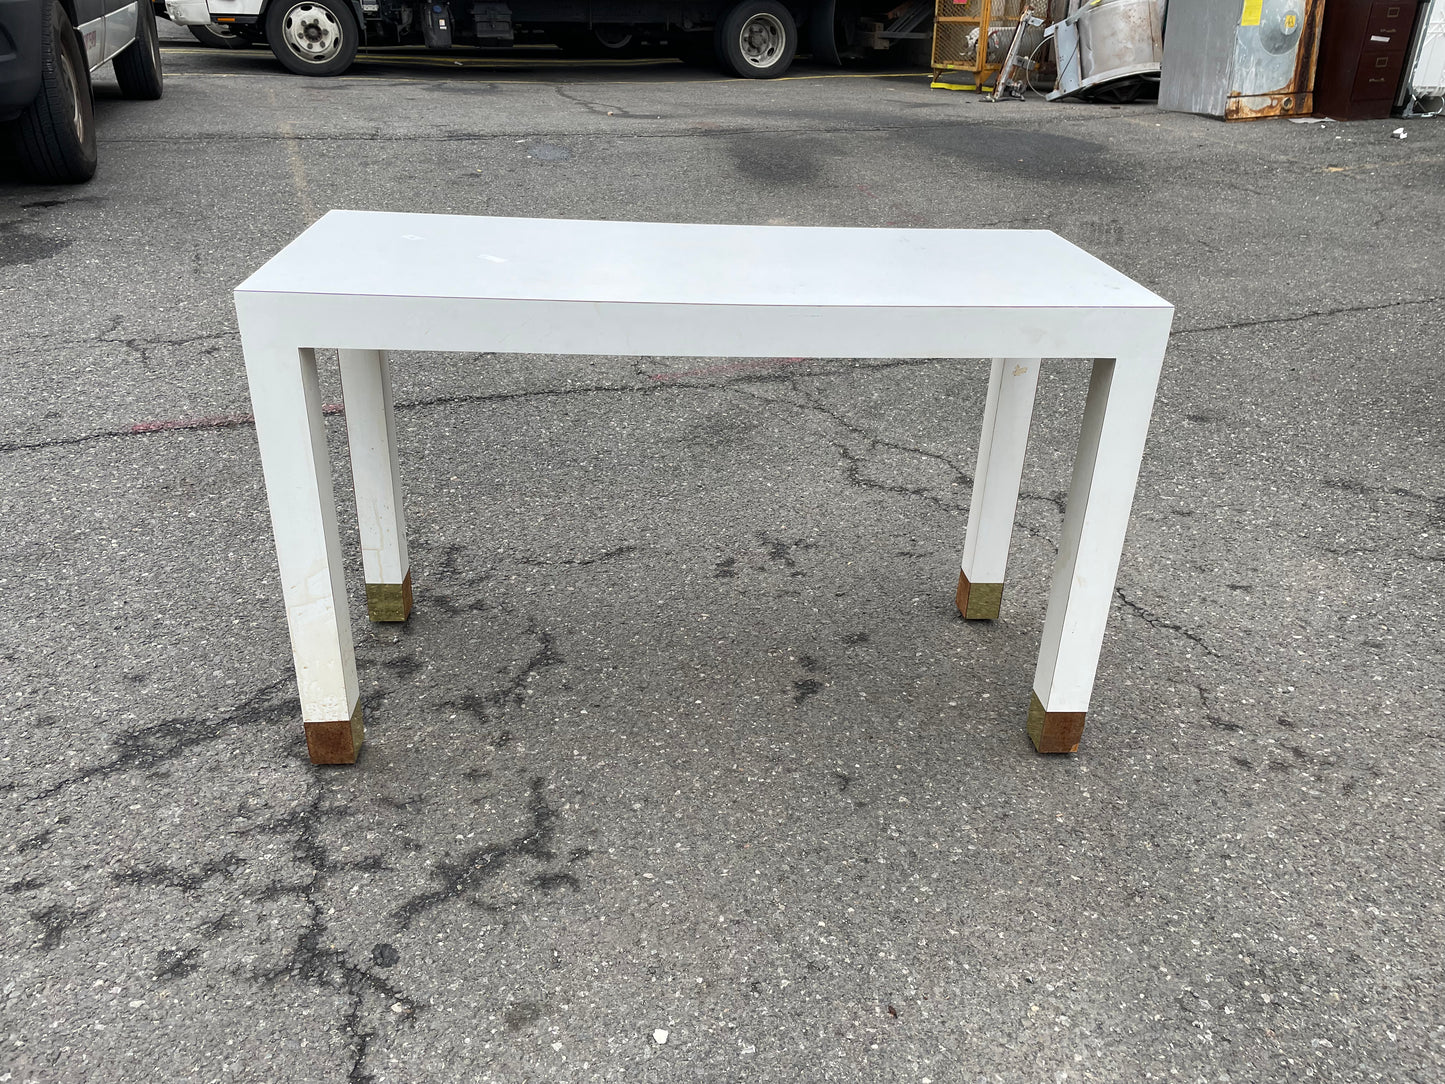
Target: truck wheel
55	136
138	68
758	39
313	37
218	37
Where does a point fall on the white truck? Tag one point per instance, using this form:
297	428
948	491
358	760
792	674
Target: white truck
752	38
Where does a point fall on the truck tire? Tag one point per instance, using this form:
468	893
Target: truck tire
757	39
313	37
55	136
138	66
217	36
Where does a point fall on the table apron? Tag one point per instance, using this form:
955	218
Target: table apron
658	330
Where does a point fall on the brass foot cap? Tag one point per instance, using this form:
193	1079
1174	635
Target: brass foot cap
1054	731
978	601
389	601
336	742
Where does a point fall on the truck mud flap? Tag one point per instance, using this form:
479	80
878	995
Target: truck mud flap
822	36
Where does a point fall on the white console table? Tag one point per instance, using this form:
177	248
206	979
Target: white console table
367	283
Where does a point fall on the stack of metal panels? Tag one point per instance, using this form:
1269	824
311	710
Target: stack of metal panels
1422	90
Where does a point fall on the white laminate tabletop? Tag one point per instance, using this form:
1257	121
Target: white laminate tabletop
386	254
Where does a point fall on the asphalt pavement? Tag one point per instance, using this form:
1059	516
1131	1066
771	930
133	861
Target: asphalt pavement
685	767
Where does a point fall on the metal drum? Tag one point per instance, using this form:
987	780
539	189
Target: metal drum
1108	43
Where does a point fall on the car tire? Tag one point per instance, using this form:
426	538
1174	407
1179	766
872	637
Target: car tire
757	39
138	66
313	37
55	135
216	36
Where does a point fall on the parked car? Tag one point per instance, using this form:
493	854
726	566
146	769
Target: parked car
46	103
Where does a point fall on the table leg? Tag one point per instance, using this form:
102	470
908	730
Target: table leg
291	432
1106	470
1006	417
376	476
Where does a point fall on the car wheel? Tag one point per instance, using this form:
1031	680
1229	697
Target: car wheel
55	136
758	39
138	67
217	36
313	37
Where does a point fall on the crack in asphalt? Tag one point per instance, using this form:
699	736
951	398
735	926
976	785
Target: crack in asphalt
514	690
310	959
598	110
866	433
475	867
853	475
1434	512
244	421
56	919
853	471
1211	716
158	874
1153	620
142	347
657	385
177	963
1360	489
1320	314
580	562
155	745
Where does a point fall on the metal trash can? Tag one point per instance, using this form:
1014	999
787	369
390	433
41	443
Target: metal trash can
1108	45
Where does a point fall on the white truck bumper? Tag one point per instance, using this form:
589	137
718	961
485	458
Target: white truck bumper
188	12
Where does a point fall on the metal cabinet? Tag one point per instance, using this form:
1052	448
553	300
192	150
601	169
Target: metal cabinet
1422	90
1363	47
1240	60
970	38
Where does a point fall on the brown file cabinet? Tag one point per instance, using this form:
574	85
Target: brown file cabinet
1363	45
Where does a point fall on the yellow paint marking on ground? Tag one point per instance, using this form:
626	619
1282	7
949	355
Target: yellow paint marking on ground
443	62
553	82
436	60
850	75
508	62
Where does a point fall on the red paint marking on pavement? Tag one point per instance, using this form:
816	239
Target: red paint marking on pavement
213	421
725	370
